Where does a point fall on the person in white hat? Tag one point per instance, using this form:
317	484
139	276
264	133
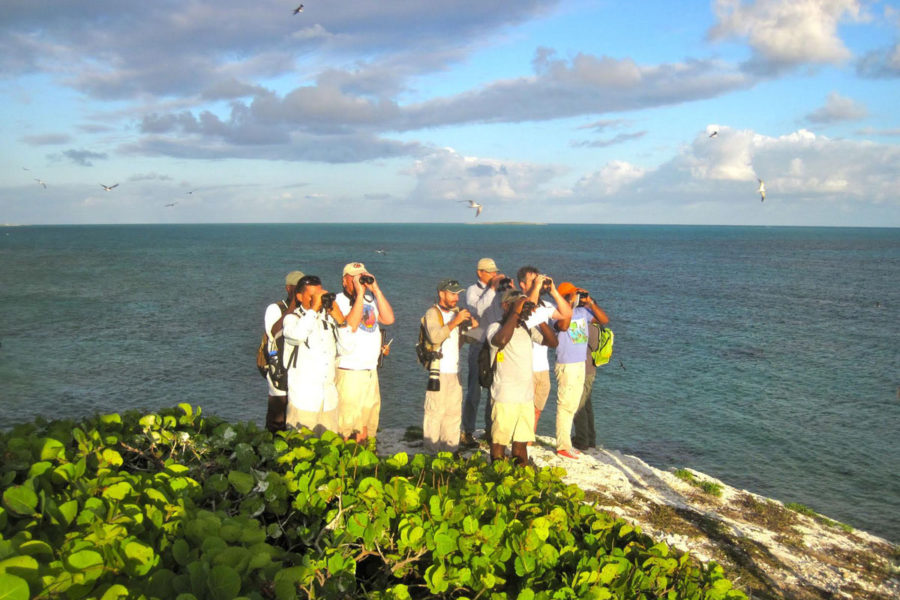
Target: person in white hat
366	309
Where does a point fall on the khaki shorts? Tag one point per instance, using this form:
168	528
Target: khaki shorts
318	421
541	389
359	401
512	422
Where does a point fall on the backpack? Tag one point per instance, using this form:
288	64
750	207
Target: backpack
263	358
425	350
486	368
604	350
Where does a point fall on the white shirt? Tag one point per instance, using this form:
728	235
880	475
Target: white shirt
273	313
365	344
542	313
316	338
513	381
483	303
450	346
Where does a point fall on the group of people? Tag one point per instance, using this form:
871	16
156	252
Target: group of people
331	344
518	321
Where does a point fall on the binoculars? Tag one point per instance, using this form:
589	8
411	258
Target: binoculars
328	300
364	279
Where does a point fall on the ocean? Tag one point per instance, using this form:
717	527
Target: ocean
766	357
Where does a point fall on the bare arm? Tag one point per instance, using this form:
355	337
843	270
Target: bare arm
550	339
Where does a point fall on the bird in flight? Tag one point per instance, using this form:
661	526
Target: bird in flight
190	192
380	251
41	182
299	9
714	134
171	203
473	204
761	190
109	188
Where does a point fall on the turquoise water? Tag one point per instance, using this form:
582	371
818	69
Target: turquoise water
767	357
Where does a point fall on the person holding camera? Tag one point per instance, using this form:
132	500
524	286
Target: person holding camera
570	356
512	389
357	376
444	322
536	286
312	338
483	303
272	320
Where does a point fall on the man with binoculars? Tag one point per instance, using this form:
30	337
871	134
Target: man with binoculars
444	322
357	376
312	339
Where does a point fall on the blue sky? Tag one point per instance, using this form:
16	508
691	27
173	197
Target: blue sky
397	111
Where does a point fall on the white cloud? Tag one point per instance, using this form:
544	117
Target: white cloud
838	108
609	180
783	34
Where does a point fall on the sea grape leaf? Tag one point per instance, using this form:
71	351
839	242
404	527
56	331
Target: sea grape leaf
20	499
224	583
36	548
83	560
111	457
141	558
118	491
181	552
242	482
114	592
13	587
51	448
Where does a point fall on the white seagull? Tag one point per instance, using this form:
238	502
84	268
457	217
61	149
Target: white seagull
41	182
380	251
473	204
714	134
761	190
109	188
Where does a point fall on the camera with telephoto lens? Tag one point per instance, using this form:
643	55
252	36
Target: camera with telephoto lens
434	379
328	301
364	279
504	284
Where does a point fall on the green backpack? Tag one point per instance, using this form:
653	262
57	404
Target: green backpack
604	350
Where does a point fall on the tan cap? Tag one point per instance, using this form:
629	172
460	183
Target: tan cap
354	268
487	264
293	277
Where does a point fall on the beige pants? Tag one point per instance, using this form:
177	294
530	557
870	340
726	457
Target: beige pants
569	386
512	422
443	415
359	401
541	389
316	421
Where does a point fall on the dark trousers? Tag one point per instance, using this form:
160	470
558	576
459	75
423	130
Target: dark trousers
583	435
276	413
473	396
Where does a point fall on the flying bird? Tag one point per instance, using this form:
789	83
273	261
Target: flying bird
190	192
473	204
299	9
380	251
761	190
171	203
714	134
41	182
109	188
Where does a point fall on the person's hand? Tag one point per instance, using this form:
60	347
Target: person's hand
517	307
495	280
357	286
460	317
316	303
538	282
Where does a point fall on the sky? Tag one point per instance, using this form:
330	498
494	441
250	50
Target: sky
569	111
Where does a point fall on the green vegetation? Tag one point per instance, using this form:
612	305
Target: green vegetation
179	505
805	510
707	487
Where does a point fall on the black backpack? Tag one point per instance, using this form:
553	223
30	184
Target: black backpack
425	350
272	363
486	367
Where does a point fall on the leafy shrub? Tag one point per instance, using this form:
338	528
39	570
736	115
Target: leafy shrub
179	505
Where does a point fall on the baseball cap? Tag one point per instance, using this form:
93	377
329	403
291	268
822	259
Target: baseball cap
450	285
293	277
510	296
487	264
354	268
566	288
